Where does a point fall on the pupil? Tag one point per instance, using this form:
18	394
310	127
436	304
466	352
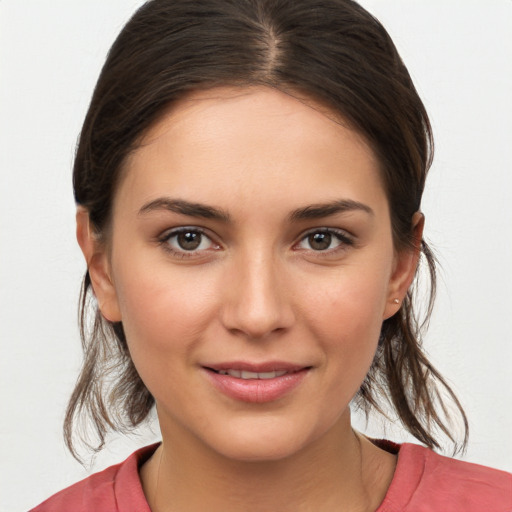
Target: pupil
189	240
320	241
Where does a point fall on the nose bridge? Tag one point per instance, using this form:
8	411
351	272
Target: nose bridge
259	303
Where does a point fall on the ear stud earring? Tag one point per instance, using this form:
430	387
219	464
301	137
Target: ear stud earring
396	301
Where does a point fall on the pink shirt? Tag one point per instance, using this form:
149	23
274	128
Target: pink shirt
423	482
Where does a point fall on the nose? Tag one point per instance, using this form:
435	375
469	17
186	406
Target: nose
257	299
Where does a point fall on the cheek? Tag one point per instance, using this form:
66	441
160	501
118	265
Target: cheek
347	317
163	314
353	299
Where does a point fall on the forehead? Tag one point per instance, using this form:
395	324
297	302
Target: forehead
233	144
245	107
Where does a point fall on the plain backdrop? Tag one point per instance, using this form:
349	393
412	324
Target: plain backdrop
459	53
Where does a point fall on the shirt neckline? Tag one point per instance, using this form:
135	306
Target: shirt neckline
130	496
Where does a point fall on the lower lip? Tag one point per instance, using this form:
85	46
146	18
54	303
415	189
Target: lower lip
256	390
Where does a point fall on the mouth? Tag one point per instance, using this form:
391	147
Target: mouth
247	375
256	383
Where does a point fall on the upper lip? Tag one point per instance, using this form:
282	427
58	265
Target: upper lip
262	367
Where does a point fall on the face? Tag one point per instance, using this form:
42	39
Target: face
251	262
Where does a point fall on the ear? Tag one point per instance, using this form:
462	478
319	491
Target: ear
98	265
404	268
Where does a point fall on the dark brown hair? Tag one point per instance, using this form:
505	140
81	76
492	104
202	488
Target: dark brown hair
330	51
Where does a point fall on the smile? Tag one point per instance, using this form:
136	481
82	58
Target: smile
256	383
244	374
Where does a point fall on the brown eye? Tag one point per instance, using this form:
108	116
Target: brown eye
326	240
320	241
189	240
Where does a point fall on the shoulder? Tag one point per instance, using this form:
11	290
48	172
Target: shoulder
115	489
425	481
93	493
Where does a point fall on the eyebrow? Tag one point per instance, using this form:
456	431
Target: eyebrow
314	211
185	208
318	211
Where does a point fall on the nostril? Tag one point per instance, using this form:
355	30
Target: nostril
257	303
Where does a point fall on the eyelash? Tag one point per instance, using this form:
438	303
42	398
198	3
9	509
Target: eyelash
183	253
345	240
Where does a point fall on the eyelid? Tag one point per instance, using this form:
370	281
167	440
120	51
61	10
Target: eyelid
172	232
345	238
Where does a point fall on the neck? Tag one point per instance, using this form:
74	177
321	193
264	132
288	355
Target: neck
340	471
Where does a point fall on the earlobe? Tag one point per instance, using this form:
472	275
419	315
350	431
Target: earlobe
404	270
98	265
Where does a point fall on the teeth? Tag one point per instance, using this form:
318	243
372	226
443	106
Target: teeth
243	374
249	375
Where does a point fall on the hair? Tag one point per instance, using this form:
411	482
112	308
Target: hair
330	51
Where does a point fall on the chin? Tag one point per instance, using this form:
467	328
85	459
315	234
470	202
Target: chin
258	441
259	451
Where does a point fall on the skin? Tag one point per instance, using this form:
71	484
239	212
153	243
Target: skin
256	289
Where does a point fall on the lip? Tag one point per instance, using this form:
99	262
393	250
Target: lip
262	367
256	390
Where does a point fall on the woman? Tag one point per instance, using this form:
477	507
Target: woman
249	180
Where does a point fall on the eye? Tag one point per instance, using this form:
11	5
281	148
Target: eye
325	240
187	241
